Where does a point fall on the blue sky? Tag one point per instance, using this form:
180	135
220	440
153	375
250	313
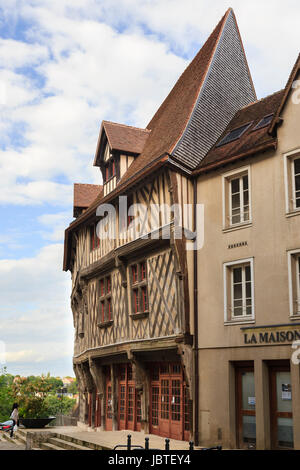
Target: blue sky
65	65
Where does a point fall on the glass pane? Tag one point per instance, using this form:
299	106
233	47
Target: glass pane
237	275
237	291
297	166
236	201
249	429
248	273
285	432
245	182
248	290
297	183
235	186
248	391
284	391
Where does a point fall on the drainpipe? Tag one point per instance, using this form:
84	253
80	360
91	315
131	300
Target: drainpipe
196	354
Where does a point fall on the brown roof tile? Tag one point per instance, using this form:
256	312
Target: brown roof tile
85	194
125	138
251	139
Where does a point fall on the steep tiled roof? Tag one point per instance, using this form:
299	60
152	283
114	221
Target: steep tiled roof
85	194
251	139
125	138
169	122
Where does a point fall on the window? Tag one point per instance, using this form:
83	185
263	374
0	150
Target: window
109	170
236	198
139	288
296	182
265	121
292	182
238	291
234	134
294	282
94	239
105	303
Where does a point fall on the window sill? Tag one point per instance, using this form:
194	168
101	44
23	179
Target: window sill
139	315
240	322
296	316
105	324
293	213
236	227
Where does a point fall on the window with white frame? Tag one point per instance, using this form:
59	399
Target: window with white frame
292	181
296	182
238	290
294	281
236	195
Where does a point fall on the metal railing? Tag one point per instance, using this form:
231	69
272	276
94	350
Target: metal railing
130	446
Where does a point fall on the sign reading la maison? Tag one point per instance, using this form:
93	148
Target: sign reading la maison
272	334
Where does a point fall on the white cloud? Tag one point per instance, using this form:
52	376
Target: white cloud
36	323
56	223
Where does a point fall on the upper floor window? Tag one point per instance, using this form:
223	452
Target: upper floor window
94	239
236	198
139	290
105	302
294	281
238	290
292	181
296	182
109	170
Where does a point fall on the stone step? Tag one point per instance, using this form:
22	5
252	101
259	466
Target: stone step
80	442
15	441
20	437
66	445
49	446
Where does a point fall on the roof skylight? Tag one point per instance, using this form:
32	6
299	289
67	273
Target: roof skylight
234	134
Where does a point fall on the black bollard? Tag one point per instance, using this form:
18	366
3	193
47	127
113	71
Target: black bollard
191	445
129	442
146	443
167	444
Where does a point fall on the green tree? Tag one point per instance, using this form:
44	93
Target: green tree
31	394
59	405
73	387
6	400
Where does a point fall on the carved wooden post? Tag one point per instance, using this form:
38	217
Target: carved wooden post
142	388
114	398
99	380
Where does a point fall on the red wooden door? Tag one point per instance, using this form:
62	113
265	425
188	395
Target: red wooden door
168	417
122	406
138	412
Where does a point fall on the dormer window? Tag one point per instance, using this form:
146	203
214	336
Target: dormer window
109	170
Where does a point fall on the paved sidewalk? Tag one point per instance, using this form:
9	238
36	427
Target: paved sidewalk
112	438
5	445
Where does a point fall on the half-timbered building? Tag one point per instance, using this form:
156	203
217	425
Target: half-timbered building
141	312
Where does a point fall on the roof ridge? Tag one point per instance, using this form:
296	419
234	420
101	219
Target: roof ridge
126	125
88	184
261	99
220	25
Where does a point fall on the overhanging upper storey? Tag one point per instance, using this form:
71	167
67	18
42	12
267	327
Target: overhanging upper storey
118	146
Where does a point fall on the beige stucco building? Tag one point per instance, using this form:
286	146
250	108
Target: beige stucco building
248	284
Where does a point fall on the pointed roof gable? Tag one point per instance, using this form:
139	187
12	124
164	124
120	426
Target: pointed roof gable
286	93
201	103
123	138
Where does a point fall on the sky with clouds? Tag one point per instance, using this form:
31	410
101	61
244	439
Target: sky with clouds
64	66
